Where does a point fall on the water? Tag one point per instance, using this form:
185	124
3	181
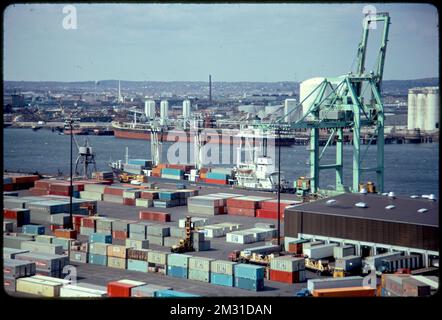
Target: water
409	168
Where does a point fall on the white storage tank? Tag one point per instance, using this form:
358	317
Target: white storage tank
186	109
149	109
421	110
164	110
289	106
433	109
412	109
305	88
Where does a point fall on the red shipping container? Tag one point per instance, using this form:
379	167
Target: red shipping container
114	191
284	276
154	215
241	211
269	214
149	195
76	219
66	233
55	227
215	181
295	248
128	202
8	187
25	179
43	184
246	204
38	192
88	222
273	205
118	289
119	235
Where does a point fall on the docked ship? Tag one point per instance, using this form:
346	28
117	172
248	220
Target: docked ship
142	131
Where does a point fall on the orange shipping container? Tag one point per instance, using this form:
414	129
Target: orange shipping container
345	292
65	233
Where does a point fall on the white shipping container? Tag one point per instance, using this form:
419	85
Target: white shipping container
199	263
41	247
137	244
326	283
157	257
320	251
223	267
240	237
213	232
38	287
287	264
73	291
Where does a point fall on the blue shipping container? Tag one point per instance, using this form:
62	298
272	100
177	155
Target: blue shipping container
137	265
33	229
175	172
249	284
166	196
221	279
249	271
100	237
217	176
177	272
140	162
98	259
173	293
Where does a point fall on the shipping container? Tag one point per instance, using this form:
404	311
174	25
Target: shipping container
249	284
320	251
137	265
97	259
348	292
147	290
100	238
157	257
326	283
174	294
178	260
349	263
223	267
343	251
137	244
76	291
33	229
287	264
78	256
39	247
137	254
117	251
199	275
122	288
249	271
221	279
177	272
118	263
38	287
200	263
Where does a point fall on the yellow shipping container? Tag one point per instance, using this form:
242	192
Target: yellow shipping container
117	251
118	263
38	287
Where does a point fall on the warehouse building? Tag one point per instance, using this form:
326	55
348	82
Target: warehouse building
384	224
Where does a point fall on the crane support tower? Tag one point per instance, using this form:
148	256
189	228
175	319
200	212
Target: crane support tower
346	103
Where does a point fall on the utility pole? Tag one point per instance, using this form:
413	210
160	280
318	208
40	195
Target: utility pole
279	187
70	122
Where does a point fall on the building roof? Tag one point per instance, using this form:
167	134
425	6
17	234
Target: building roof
405	211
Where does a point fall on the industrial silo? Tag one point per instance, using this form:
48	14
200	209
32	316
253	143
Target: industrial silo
164	111
186	109
432	106
421	109
305	88
149	109
412	105
289	106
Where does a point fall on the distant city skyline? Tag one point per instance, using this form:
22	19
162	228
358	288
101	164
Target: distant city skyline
232	42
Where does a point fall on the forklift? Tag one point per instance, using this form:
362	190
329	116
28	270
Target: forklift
186	244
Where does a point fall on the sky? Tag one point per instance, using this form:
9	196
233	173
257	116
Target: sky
232	42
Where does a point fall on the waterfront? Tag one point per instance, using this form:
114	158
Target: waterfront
409	168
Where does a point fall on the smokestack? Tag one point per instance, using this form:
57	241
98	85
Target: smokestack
210	87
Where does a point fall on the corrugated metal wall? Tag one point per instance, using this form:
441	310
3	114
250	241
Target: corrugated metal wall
400	234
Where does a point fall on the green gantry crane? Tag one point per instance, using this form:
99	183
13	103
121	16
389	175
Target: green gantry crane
352	101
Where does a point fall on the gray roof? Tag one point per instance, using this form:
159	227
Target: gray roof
405	210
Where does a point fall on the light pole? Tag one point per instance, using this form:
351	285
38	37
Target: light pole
279	186
69	122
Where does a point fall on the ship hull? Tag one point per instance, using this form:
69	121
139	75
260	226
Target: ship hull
211	136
